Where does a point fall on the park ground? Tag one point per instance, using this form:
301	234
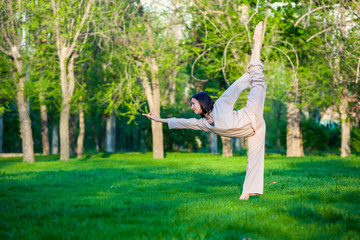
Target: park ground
184	196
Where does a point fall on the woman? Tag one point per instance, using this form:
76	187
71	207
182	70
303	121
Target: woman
220	117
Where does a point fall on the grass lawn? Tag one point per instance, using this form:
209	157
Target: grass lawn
184	196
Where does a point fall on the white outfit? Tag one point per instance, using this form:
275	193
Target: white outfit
246	122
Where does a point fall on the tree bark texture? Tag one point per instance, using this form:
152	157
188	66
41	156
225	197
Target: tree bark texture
55	140
237	144
110	133
213	143
1	131
344	99
244	143
345	124
25	122
80	139
294	143
44	126
65	132
227	147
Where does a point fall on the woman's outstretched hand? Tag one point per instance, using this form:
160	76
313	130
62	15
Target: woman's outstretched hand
152	116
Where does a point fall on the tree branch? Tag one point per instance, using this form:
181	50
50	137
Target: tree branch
192	67
357	5
223	60
4	51
6	36
308	13
265	20
357	71
246	24
292	47
292	65
87	10
325	30
57	33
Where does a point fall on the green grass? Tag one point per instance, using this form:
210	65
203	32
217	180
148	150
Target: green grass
184	196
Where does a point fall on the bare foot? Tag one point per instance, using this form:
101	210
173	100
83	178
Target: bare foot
258	32
244	196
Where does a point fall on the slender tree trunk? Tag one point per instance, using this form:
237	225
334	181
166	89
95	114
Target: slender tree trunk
152	93
44	126
244	143
278	118
72	131
237	144
1	131
67	88
55	140
80	140
65	132
25	122
227	147
294	143
345	124
344	99
213	143
110	133
96	138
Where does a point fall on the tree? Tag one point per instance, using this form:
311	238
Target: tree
12	43
69	20
341	26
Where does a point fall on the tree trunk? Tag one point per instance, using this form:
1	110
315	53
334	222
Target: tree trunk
213	143
80	140
278	107
1	131
44	126
345	125
344	100
55	140
25	122
294	143
110	133
237	144
96	138
64	132
72	132
227	147
244	143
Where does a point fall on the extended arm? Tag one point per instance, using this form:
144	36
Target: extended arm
155	118
179	123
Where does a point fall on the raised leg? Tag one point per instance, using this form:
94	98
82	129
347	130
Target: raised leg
254	179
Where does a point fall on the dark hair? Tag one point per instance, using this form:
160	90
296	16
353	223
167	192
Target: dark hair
206	102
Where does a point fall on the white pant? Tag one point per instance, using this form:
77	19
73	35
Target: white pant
253	112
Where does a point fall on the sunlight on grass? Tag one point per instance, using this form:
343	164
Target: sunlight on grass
184	196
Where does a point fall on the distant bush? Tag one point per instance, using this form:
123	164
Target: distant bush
355	139
319	137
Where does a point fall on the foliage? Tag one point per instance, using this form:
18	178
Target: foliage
355	139
319	137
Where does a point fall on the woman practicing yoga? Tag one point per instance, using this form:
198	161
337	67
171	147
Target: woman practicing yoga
220	117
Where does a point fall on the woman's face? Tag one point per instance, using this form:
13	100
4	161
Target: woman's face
195	106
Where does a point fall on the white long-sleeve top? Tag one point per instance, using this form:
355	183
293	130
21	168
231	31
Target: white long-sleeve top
230	123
